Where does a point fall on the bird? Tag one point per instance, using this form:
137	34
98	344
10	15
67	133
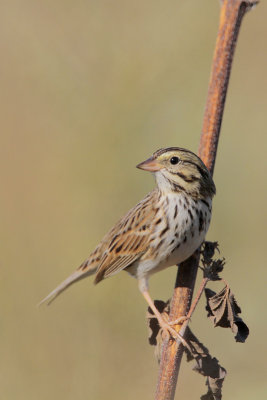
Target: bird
165	228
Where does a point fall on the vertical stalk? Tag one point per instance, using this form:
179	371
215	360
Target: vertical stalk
231	15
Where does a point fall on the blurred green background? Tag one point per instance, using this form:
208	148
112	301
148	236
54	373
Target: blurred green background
88	90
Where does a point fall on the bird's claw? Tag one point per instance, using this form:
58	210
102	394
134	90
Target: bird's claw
179	320
171	332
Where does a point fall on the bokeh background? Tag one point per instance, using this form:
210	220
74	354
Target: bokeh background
88	90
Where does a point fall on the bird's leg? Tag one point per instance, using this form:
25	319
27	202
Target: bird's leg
165	325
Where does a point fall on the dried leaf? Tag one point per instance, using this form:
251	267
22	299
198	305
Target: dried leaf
208	251
223	310
207	366
211	268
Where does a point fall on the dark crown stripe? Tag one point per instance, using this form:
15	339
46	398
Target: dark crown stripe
162	151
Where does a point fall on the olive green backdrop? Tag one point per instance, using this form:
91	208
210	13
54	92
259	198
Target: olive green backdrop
88	90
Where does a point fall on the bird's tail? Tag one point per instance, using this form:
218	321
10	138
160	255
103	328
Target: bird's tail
74	277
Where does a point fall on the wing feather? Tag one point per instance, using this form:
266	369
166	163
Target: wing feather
129	239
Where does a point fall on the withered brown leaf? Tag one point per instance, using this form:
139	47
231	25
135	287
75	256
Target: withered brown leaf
208	250
223	310
210	267
206	365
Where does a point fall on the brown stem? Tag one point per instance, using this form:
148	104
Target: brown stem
232	12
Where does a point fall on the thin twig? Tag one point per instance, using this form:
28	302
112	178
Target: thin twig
192	308
232	12
196	300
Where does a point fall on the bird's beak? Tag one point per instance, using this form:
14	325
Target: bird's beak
150	164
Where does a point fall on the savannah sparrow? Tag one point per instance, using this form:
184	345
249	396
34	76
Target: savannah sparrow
164	229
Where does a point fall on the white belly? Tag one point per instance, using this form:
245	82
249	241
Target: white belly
187	223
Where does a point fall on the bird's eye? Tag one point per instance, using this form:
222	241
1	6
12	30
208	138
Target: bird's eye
174	160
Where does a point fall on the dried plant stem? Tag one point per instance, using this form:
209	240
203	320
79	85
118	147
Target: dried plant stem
196	300
232	12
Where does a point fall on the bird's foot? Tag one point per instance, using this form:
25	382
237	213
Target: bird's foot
163	320
179	320
169	331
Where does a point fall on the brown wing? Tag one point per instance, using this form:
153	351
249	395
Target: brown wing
129	239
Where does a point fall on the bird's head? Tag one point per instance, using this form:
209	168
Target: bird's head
180	170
